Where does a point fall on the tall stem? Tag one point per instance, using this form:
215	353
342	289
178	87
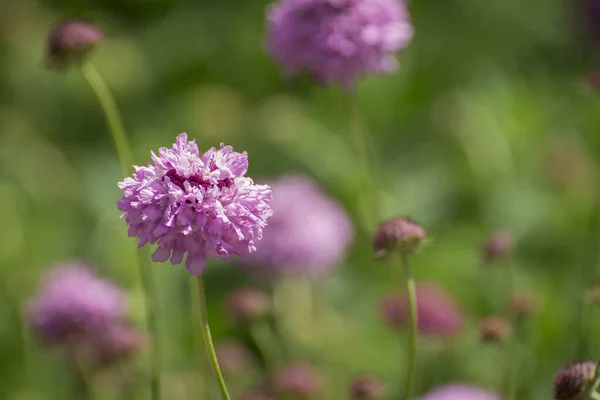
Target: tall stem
412	327
124	154
208	343
511	343
368	174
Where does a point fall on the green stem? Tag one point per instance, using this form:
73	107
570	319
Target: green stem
208	343
412	328
109	106
124	154
590	392
366	160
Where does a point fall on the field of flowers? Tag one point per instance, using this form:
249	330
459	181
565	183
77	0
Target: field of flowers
331	199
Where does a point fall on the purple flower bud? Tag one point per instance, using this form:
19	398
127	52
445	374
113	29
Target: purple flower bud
73	303
233	357
246	304
338	41
438	314
458	391
202	205
498	246
70	41
524	304
297	381
572	380
367	388
308	234
400	235
495	330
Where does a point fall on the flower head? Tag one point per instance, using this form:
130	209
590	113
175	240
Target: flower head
202	205
572	380
112	344
308	234
438	314
297	381
337	41
458	391
74	303
246	304
70	41
398	234
367	388
498	246
233	357
495	330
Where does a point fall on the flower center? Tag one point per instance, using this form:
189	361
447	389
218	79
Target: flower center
195	180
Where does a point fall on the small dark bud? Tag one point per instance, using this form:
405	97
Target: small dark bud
297	381
498	247
523	304
70	41
400	235
247	304
495	330
367	388
572	380
233	357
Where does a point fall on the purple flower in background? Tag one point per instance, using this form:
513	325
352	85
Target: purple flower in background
337	41
459	391
73	302
308	234
438	314
202	205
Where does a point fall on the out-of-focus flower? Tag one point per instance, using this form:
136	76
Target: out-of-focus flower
337	41
438	314
256	395
591	10
73	302
497	247
202	205
233	357
523	304
298	381
110	345
399	234
572	380
495	330
367	388
246	304
458	391
70	41
308	234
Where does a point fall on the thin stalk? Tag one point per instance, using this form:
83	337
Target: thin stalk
124	154
412	328
208	343
366	159
109	106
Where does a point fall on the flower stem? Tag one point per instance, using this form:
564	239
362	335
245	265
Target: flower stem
109	106
124	154
511	344
208	343
368	174
412	328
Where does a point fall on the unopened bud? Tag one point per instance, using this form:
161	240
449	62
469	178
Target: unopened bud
247	304
70	41
497	247
400	235
572	380
495	330
367	388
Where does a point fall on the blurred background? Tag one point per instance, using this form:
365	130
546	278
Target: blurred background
490	123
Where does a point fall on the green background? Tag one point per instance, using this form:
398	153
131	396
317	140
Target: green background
489	123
